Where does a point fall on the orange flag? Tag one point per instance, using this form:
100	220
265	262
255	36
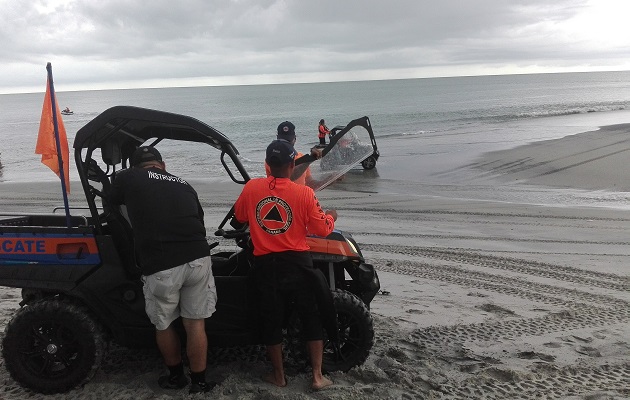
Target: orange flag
46	144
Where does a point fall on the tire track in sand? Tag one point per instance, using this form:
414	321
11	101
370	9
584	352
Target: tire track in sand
484	375
534	268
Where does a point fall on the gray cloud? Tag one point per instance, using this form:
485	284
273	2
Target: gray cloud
110	42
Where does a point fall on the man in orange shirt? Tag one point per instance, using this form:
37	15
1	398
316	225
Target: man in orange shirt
280	213
286	131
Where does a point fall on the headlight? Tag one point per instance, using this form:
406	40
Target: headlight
352	246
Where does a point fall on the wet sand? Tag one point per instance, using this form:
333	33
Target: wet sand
596	160
481	299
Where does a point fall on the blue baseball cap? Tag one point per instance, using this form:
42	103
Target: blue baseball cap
286	131
280	152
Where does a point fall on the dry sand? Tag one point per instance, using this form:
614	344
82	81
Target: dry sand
480	300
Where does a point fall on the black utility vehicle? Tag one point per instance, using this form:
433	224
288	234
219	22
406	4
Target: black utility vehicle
81	286
368	162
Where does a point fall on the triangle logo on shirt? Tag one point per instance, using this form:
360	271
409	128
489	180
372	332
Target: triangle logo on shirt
273	215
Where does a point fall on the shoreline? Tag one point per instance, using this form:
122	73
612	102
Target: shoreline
592	161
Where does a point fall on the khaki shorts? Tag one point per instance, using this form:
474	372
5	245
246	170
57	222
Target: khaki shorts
187	290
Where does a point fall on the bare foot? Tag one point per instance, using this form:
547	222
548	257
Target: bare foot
271	378
321	383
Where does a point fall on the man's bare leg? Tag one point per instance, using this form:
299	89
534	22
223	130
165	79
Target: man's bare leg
196	343
276	377
316	353
169	345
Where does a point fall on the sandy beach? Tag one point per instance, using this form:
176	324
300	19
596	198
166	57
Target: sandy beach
480	299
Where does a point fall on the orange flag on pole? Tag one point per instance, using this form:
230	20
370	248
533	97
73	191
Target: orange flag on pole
46	142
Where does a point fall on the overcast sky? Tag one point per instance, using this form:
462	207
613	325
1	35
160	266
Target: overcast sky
95	44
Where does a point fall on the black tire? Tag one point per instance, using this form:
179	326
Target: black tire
369	163
356	334
52	346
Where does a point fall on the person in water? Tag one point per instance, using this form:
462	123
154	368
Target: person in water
323	131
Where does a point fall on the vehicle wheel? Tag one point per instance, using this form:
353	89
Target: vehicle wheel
369	163
52	346
356	334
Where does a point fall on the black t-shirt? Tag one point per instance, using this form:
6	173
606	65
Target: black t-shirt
165	215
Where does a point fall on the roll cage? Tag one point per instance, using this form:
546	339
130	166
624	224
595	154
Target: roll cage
118	131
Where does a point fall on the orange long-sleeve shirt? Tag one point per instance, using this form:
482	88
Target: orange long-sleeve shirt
323	131
280	213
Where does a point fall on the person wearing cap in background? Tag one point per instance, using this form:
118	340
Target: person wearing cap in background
280	213
174	256
286	131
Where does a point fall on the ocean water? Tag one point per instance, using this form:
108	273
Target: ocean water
423	127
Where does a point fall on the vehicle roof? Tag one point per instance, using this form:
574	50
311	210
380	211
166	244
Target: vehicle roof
130	126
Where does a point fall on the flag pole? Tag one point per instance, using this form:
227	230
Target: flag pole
58	143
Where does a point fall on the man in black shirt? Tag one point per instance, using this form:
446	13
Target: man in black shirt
174	255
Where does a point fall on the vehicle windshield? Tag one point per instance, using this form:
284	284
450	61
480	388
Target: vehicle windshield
346	150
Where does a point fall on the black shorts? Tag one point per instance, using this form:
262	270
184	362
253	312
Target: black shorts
283	280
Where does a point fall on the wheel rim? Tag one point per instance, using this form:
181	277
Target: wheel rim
369	163
50	350
350	339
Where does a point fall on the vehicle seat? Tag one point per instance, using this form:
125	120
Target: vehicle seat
122	235
117	225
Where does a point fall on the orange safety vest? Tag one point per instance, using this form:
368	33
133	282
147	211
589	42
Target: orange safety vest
323	131
280	214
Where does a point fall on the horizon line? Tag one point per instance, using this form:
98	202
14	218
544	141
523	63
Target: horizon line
280	80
